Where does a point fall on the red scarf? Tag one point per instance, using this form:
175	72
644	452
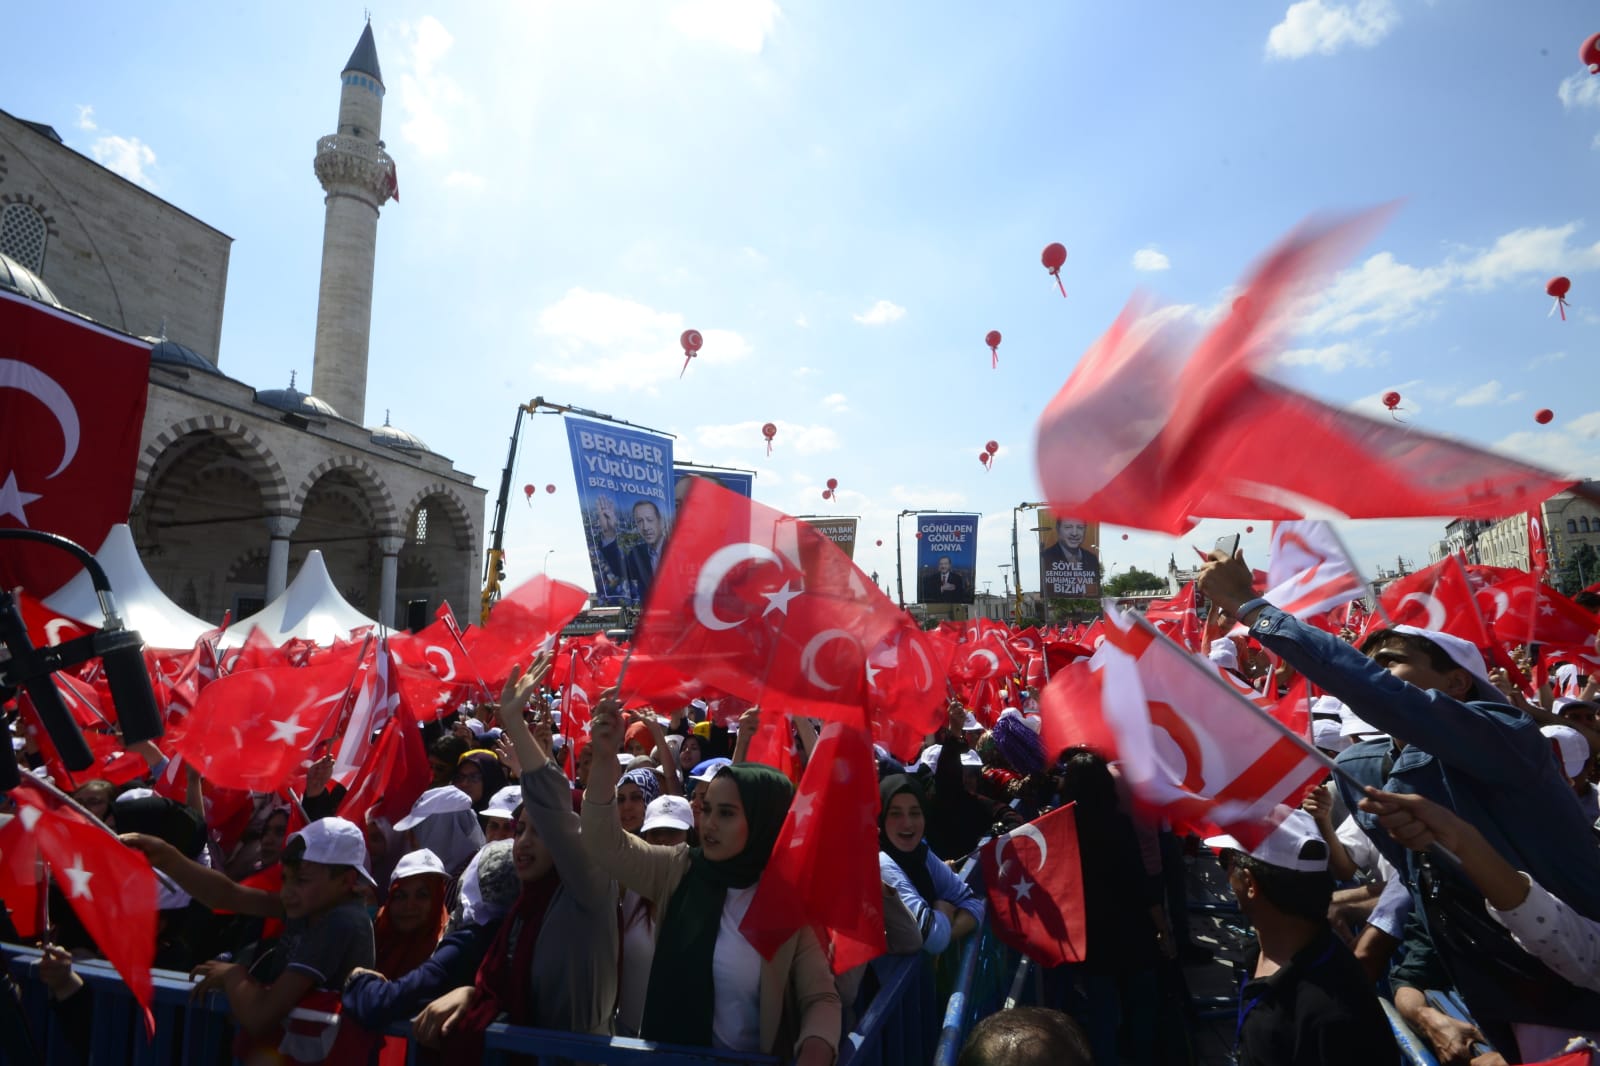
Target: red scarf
505	977
400	953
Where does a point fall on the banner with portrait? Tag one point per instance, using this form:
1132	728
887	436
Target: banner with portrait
625	483
740	481
1069	557
947	557
842	531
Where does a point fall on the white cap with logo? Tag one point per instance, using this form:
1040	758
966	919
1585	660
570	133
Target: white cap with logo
336	842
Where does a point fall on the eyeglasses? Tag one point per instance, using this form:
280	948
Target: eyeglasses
468	775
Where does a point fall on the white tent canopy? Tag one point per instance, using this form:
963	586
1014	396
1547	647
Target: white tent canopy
140	601
310	608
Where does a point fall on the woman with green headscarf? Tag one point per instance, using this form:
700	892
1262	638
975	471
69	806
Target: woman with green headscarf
708	986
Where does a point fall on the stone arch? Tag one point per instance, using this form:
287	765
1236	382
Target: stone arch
435	568
386	520
252	449
203	497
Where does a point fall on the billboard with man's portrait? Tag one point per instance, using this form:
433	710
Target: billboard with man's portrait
1069	557
625	487
947	557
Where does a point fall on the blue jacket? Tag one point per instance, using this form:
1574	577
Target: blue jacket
1485	761
947	887
376	1003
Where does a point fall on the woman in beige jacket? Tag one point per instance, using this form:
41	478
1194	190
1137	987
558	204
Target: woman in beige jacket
708	985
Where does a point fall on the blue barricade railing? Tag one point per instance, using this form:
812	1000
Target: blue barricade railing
899	1027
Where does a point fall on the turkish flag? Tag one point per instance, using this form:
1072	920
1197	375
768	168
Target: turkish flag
111	888
905	694
1527	611
1034	880
764	607
986	655
393	773
72	397
1199	753
1181	424
824	868
523	622
1439	597
45	625
773	745
256	729
1310	572
1177	617
1538	548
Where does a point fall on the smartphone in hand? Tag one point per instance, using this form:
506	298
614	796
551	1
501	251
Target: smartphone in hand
1228	544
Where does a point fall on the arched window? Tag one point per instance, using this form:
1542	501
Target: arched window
1583	524
22	235
422	525
1572	525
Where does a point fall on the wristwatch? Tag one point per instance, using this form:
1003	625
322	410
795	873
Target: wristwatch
1252	605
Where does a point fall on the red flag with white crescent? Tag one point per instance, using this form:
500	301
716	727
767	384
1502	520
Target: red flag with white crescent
1034	879
72	400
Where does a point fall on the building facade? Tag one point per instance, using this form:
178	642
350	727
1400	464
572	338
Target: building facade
237	484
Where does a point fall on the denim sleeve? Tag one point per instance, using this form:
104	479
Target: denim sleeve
952	889
935	927
376	1003
1470	737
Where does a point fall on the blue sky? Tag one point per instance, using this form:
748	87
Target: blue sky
844	198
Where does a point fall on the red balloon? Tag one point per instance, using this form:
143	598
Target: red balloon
1543	416
985	458
992	338
992	447
1558	287
691	340
1124	536
919	534
769	431
880	543
1054	257
527	490
1590	52
827	494
1391	400
549	488
1249	529
833	483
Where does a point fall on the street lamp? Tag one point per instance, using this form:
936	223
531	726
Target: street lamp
1016	568
545	569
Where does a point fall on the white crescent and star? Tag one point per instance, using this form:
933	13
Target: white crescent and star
994	660
715	571
36	383
808	656
449	673
1030	831
79	878
288	730
1435	609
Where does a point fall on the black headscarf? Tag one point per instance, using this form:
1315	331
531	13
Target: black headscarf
679	999
913	863
158	816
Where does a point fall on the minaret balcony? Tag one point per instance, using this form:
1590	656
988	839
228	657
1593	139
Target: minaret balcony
350	161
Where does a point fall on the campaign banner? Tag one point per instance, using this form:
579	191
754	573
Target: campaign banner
624	480
1069	560
947	557
842	531
740	481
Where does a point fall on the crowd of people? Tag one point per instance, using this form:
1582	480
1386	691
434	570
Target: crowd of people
602	891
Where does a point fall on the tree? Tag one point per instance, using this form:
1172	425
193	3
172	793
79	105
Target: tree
1134	580
1579	570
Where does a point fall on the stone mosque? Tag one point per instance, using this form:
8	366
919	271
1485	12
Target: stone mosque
237	484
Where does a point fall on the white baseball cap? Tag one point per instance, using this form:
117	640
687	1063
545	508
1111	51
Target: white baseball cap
414	863
930	756
668	812
1573	747
336	842
971	758
1224	654
446	799
708	769
1326	734
970	725
1287	846
1463	653
503	804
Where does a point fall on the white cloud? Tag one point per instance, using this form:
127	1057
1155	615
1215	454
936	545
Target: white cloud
425	93
128	156
923	498
804	371
1314	26
465	180
1594	145
1488	392
1372	405
743	25
1570	448
880	314
802	322
86	117
1546	359
1332	358
1383	292
1149	259
746	436
610	342
836	402
1579	90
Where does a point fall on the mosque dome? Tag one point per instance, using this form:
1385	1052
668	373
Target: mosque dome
174	354
19	279
296	402
395	437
